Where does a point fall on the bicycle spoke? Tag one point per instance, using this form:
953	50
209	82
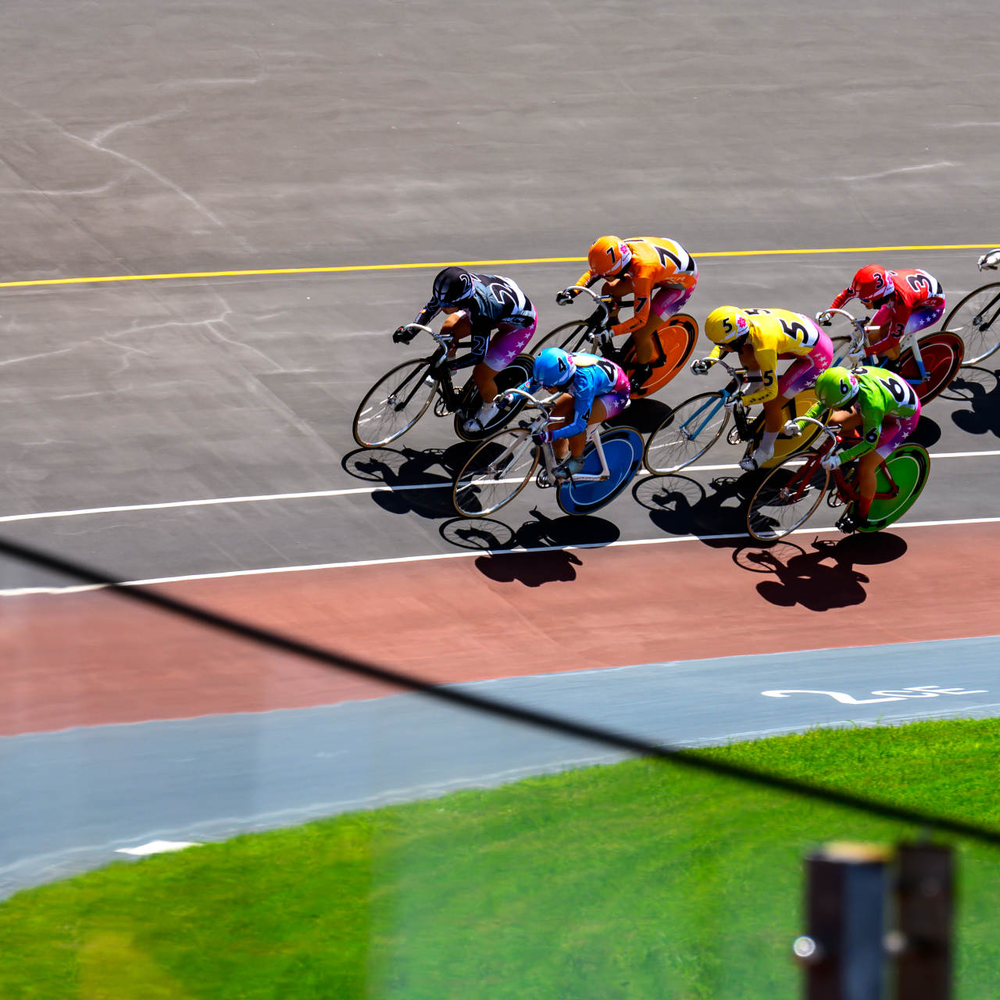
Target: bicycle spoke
690	430
495	473
786	498
394	404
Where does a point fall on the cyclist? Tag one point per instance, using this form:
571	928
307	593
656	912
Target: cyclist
904	301
660	275
476	305
884	409
989	261
762	336
594	390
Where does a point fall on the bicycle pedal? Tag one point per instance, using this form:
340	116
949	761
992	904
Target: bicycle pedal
441	408
733	437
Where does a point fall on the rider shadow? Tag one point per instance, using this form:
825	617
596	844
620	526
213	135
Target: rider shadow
645	415
823	579
926	433
680	505
980	389
414	485
547	559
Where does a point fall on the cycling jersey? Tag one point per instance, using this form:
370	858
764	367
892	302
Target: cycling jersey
594	377
915	291
881	395
494	301
656	263
778	333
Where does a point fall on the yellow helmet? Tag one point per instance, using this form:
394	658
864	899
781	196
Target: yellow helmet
609	256
726	324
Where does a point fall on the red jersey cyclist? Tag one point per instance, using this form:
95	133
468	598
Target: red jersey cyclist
593	390
762	336
884	409
904	301
660	275
476	305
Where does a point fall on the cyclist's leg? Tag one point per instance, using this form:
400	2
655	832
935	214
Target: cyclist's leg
505	345
894	432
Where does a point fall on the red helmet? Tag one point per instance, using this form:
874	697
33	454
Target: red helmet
873	283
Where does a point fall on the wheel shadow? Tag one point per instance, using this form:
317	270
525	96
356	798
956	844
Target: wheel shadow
417	482
534	553
680	505
823	577
979	389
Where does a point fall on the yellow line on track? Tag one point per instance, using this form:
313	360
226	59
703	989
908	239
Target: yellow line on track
467	263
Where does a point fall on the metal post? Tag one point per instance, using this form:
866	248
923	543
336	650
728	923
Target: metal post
843	949
925	900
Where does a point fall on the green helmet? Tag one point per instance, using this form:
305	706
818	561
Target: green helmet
836	386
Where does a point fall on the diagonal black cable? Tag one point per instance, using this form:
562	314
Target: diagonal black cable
542	720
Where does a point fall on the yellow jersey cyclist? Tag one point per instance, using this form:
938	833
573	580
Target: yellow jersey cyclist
593	390
762	336
476	305
659	274
881	406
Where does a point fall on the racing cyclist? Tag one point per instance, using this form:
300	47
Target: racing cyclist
989	261
762	336
593	390
885	408
904	301
660	275
476	305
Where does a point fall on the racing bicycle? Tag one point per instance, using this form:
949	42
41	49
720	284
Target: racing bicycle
793	490
502	466
674	340
402	396
692	427
976	318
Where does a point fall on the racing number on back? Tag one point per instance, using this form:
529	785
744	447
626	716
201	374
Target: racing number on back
901	391
609	369
918	281
800	332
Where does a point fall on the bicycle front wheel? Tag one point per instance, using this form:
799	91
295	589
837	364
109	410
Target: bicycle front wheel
570	336
976	319
787	497
495	473
686	434
394	404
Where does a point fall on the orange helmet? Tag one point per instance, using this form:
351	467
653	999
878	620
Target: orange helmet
609	256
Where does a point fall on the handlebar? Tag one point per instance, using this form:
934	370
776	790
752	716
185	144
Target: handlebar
831	430
442	339
603	302
859	338
989	261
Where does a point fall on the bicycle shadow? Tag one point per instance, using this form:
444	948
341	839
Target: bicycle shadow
680	505
535	553
413	484
824	578
926	433
979	388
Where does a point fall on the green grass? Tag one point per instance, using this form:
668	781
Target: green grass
637	880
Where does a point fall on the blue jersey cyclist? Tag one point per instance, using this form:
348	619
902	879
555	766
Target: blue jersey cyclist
476	305
594	390
881	406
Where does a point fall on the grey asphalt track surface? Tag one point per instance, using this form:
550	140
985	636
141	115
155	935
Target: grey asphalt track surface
143	140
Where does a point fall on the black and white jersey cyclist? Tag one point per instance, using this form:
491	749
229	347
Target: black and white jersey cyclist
492	311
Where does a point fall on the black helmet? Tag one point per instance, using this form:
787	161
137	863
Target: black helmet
453	285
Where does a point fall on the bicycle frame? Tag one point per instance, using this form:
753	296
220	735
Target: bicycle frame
859	341
741	415
442	371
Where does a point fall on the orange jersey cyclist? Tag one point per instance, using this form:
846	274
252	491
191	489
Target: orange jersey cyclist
881	406
660	275
476	305
762	336
904	301
594	390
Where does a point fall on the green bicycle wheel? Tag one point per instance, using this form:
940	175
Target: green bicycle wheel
909	466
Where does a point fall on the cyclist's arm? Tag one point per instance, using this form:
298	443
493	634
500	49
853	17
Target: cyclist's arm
642	291
843	297
766	377
583	402
871	430
428	313
880	329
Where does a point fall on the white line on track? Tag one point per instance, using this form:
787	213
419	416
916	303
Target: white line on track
465	554
353	491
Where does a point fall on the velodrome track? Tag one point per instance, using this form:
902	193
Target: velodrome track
195	430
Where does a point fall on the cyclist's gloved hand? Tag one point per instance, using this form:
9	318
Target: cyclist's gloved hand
856	357
830	462
700	366
542	437
403	334
791	429
565	297
505	399
825	319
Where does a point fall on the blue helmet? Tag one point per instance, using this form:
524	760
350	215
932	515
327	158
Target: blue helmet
553	367
453	285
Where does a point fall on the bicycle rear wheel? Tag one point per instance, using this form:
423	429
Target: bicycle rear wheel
674	341
976	319
942	355
513	376
787	497
686	434
622	448
909	466
394	404
495	473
